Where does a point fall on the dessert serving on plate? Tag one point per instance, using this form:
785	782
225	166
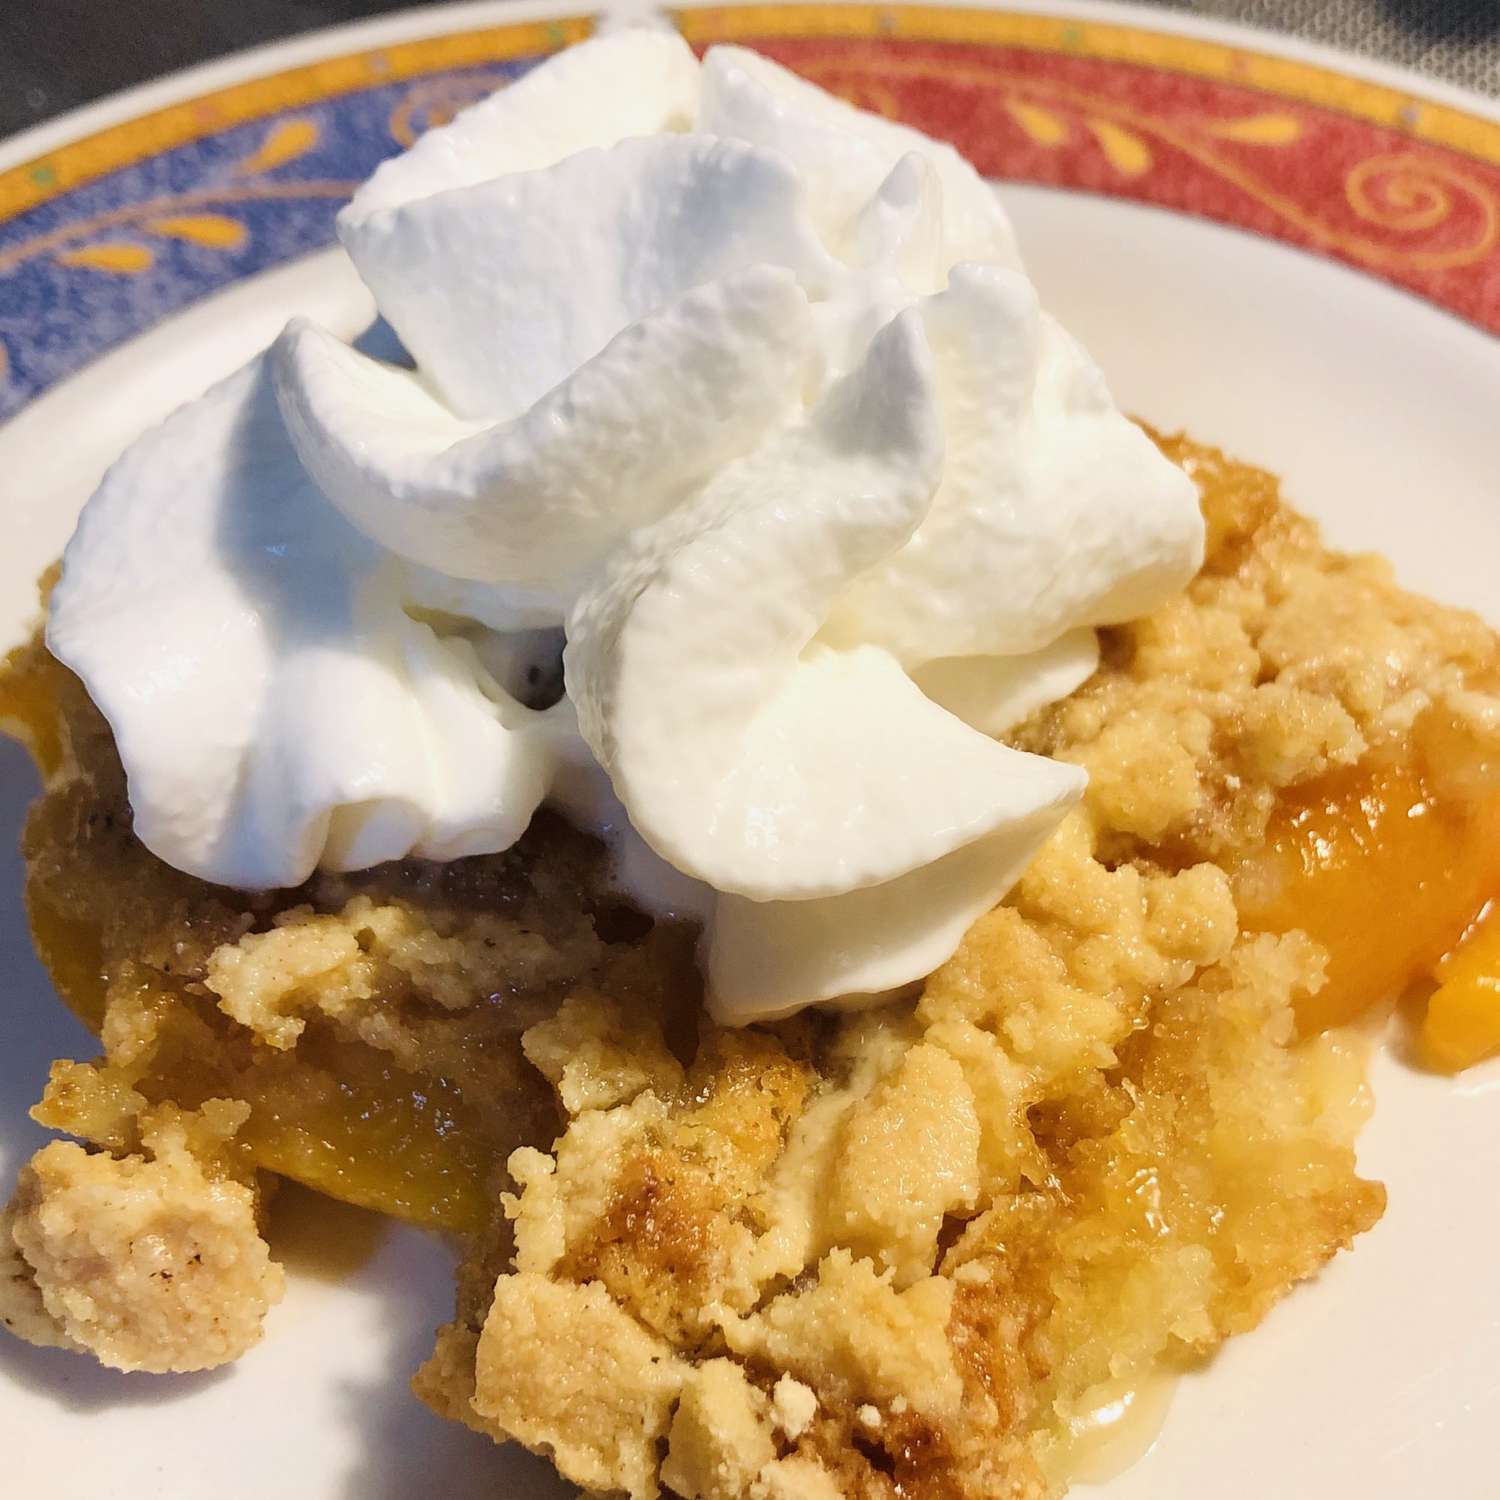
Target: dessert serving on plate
706	756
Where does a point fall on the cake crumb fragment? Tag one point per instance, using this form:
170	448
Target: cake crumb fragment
149	1261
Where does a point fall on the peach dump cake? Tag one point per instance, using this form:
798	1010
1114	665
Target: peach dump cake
730	776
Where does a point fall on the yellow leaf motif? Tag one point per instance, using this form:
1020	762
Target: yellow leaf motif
872	95
121	256
216	231
288	141
1041	125
1259	130
1125	151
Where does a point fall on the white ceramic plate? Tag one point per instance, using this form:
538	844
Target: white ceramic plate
1381	1379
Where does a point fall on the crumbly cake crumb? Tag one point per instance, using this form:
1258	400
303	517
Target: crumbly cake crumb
564	1369
22	1309
149	1261
721	1433
793	1406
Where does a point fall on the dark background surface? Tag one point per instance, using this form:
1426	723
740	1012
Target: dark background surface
57	54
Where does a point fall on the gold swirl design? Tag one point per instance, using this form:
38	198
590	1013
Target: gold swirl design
1405	193
435	102
1419	195
86	159
874	95
126	257
1271	75
69	166
285	143
181	216
124	249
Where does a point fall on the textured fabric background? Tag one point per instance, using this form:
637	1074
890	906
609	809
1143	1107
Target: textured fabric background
1454	39
55	54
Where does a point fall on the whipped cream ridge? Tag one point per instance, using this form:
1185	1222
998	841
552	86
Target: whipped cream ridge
729	407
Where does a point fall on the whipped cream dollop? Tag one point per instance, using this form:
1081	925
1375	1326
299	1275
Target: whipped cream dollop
729	407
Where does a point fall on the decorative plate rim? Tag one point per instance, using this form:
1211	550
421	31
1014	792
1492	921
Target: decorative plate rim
418	23
1394	174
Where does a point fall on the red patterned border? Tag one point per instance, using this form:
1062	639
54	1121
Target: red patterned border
1395	184
1419	214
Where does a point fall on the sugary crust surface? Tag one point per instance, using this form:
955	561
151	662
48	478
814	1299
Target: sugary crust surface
892	1254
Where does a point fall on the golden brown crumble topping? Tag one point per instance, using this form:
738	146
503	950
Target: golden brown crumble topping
854	1257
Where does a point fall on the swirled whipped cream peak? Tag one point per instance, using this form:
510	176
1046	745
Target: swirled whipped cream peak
725	408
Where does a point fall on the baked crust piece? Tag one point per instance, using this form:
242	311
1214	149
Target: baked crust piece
898	1253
